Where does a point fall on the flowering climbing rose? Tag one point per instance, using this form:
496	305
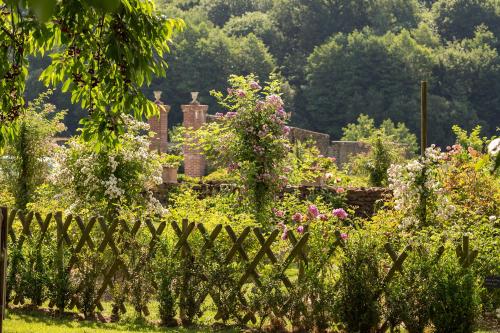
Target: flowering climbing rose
253	135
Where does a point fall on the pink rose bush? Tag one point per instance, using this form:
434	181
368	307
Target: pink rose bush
313	219
251	135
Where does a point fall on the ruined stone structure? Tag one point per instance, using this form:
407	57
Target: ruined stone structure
195	115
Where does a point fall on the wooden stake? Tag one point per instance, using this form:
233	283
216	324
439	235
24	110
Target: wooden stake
423	117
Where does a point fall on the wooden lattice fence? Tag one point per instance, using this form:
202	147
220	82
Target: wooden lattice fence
251	248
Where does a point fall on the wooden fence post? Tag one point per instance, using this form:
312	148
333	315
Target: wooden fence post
3	262
184	297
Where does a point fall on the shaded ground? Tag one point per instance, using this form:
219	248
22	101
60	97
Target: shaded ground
39	321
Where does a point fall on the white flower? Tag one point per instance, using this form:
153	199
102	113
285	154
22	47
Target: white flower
494	147
113	163
112	189
492	218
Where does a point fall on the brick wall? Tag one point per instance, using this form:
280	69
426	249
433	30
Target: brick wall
159	125
194	117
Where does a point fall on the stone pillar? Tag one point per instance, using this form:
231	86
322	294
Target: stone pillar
195	115
159	125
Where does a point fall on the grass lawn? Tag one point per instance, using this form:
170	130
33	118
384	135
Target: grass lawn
36	322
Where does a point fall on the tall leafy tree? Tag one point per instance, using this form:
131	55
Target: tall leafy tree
458	19
469	71
203	58
365	73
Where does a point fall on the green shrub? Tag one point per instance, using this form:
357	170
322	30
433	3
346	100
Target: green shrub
34	276
365	127
25	164
270	300
408	294
375	163
359	284
60	288
165	270
166	298
14	271
455	302
312	301
90	266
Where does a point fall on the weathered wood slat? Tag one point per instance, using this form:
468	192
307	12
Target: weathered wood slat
260	254
296	251
183	235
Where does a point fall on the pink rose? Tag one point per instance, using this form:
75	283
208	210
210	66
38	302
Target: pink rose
284	235
300	229
279	213
313	211
340	190
340	213
297	217
254	85
344	236
286	130
275	101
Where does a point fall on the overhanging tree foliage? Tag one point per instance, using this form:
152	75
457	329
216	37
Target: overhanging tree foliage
102	52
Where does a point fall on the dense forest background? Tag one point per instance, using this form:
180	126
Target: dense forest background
339	58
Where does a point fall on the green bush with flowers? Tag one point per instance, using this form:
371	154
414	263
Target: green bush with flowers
111	182
306	166
170	160
445	195
26	160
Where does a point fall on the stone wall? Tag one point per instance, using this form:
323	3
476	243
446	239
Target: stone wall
363	200
322	140
368	199
342	150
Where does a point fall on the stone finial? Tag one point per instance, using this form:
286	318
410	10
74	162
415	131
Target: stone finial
157	94
194	97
